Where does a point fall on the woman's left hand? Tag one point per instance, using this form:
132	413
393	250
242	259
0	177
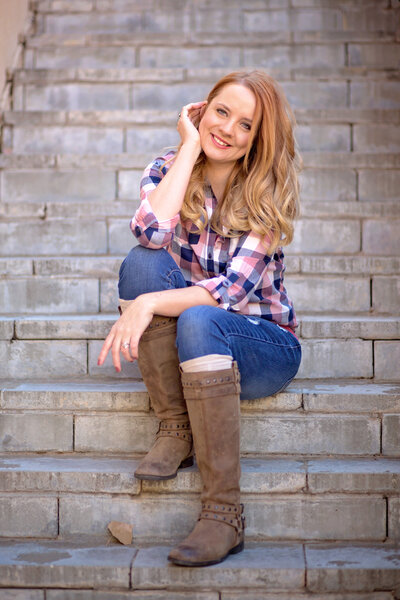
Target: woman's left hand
125	334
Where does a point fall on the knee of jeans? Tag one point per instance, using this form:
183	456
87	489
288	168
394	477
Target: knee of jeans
135	270
196	332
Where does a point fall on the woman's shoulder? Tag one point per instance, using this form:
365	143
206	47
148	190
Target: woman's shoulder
163	162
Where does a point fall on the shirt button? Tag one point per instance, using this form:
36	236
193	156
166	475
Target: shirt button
209	255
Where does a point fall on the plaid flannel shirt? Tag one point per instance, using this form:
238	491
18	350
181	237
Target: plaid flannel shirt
236	271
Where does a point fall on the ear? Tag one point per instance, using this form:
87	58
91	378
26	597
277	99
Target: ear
202	111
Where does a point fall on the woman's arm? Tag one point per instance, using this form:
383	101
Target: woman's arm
136	318
167	198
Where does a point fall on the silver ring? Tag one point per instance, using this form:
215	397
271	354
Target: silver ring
126	345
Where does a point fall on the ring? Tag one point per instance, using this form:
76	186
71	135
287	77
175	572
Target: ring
126	345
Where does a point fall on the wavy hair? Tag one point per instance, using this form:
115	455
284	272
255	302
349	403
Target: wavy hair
262	191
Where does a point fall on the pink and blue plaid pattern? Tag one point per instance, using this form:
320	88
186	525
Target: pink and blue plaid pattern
236	271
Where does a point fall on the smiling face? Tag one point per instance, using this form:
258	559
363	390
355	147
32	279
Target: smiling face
225	126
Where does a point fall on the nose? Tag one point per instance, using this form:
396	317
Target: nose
227	128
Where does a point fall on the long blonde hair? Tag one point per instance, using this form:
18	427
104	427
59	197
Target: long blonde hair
262	192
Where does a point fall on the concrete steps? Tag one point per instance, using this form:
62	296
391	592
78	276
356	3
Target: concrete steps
287	571
285	498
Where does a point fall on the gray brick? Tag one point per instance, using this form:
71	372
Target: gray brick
55	185
374	94
322	236
334	138
353	475
352	265
34	359
81	96
381	137
328	184
6	328
376	56
381	237
336	358
94	23
267	566
379	185
391	435
36	432
28	517
76	396
284	401
15	266
315	518
386	294
351	569
306	55
97	266
13	594
65	139
129	184
152	138
331	294
369	328
189	57
316	94
130	370
148	595
108	295
169	97
69	474
85	57
56	237
394	518
120	236
314	434
351	397
42	294
369	19
71	566
116	433
299	20
68	328
283	596
206	20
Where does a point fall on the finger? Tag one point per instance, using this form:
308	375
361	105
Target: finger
105	348
115	350
126	353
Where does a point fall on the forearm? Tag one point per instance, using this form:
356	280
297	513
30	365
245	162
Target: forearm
171	303
167	198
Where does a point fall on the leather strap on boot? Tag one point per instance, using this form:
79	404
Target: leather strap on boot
225	513
180	431
198	386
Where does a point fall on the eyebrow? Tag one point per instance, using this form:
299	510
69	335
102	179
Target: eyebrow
227	108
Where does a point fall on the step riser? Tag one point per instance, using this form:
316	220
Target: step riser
216	20
112	235
268	518
125	96
106	140
312	434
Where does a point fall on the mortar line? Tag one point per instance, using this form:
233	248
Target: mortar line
305	566
58	517
387	517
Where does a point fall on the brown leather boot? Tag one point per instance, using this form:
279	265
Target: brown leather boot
212	399
159	365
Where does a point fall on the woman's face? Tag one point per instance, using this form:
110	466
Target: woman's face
225	126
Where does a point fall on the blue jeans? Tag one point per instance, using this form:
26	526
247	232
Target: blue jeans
268	356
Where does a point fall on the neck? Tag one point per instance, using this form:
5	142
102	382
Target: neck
218	176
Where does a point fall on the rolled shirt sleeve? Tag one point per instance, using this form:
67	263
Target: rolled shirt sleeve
150	232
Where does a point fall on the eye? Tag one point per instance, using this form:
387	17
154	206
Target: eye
247	126
221	111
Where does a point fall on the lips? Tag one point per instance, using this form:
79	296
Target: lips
219	142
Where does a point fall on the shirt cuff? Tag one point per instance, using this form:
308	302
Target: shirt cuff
218	288
145	218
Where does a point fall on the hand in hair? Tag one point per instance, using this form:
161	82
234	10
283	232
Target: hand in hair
188	122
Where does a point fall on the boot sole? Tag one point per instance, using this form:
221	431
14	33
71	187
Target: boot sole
206	563
188	462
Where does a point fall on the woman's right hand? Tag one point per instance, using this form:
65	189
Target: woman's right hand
188	122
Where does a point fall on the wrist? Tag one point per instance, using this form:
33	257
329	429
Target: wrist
191	148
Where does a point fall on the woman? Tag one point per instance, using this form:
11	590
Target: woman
202	298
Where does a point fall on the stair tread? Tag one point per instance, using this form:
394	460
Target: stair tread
277	565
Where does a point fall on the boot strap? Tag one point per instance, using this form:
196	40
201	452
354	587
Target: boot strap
225	513
181	431
159	326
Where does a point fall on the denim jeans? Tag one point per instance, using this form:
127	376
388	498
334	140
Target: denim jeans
267	355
